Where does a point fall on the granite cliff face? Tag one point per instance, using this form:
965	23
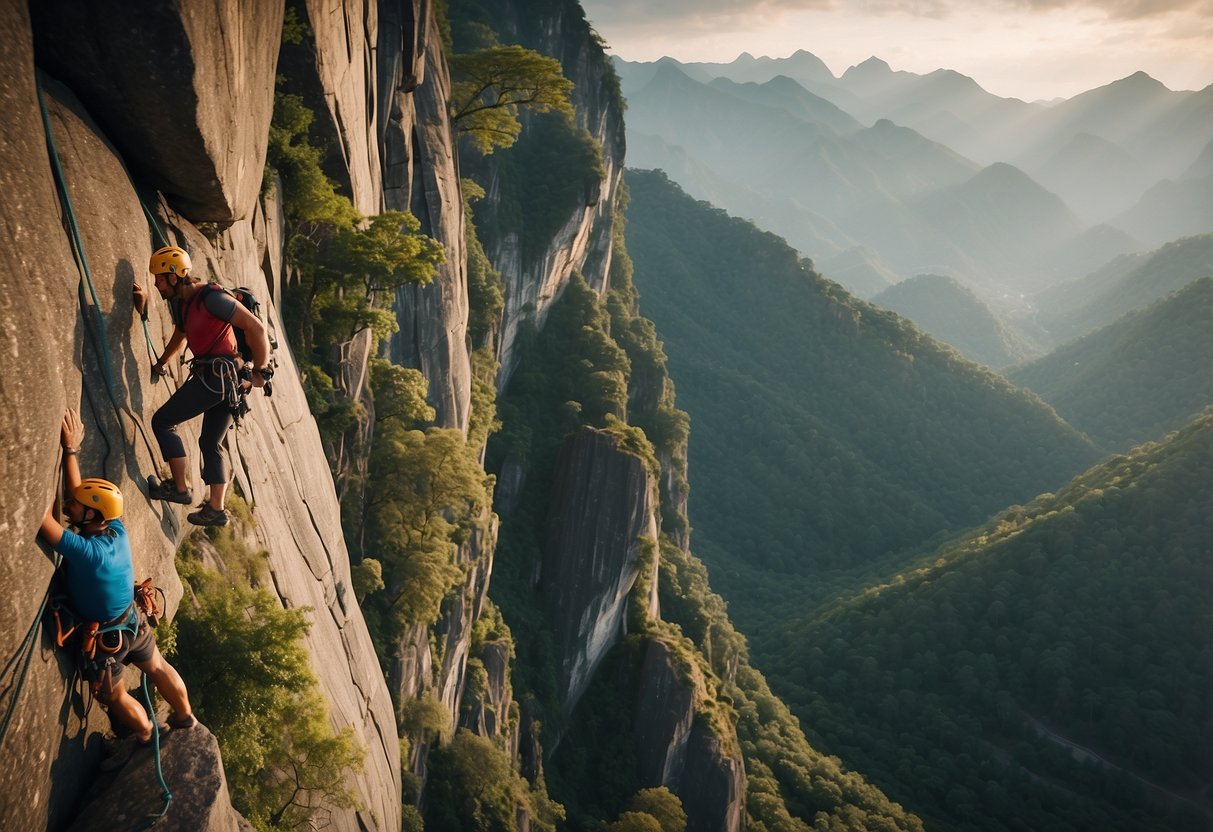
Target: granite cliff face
601	518
582	243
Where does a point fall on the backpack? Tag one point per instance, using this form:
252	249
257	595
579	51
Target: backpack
248	300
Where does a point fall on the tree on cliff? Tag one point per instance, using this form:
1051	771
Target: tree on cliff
490	86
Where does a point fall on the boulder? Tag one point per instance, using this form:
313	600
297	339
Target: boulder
192	771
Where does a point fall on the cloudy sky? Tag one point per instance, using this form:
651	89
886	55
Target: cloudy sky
1028	49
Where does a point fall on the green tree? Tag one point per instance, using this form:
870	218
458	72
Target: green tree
490	86
663	805
635	822
473	788
250	681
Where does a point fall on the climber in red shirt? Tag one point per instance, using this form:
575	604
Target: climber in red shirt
204	315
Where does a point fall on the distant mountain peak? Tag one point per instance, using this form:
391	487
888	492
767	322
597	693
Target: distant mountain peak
870	70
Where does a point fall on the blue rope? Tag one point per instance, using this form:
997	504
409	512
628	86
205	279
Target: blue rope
78	250
26	650
166	796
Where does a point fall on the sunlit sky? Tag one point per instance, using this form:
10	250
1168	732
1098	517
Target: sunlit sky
1029	49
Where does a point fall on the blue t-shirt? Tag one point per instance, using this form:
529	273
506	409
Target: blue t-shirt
100	572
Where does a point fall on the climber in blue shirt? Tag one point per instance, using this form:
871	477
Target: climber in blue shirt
100	581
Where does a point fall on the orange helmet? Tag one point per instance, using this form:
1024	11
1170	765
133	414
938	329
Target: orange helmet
170	260
100	494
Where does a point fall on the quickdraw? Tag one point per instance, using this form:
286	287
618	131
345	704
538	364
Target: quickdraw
234	383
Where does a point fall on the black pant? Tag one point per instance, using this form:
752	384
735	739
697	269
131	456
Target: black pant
196	396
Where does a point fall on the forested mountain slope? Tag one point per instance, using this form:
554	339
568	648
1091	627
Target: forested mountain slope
1049	670
1129	282
949	311
826	431
1138	378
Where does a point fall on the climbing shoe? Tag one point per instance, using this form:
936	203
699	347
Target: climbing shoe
168	492
182	723
207	516
118	752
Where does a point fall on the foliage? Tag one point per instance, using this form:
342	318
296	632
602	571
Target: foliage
473	787
243	660
661	804
400	394
367	576
1048	669
483	421
635	822
489	86
486	289
425	719
1137	379
345	270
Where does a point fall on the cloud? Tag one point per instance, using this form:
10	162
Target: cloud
1122	9
695	14
703	14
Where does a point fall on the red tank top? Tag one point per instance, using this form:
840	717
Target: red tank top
206	335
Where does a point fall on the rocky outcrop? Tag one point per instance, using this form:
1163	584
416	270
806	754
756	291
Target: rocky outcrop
421	175
186	95
583	242
193	773
681	751
279	464
344	35
602	510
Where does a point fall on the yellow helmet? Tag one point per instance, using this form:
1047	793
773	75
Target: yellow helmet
100	494
170	260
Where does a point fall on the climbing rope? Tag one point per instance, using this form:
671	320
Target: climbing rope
99	343
20	661
99	336
166	796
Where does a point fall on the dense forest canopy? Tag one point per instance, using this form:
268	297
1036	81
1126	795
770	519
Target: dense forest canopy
1049	669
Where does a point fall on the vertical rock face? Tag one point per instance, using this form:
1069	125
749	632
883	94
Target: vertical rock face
346	35
278	462
583	243
421	175
603	503
681	752
186	94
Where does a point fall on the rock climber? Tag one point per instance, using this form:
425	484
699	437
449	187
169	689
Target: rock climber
99	579
205	317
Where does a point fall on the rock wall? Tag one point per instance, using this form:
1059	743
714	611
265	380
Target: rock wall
681	752
583	243
421	174
603	503
52	348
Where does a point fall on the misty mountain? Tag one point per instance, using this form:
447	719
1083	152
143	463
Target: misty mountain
1048	670
785	94
860	269
886	188
816	414
1171	209
1138	378
1129	282
950	312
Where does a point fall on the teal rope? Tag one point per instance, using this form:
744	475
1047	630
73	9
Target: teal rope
24	656
78	250
167	796
100	339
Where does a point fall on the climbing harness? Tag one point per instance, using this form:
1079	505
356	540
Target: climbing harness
226	380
